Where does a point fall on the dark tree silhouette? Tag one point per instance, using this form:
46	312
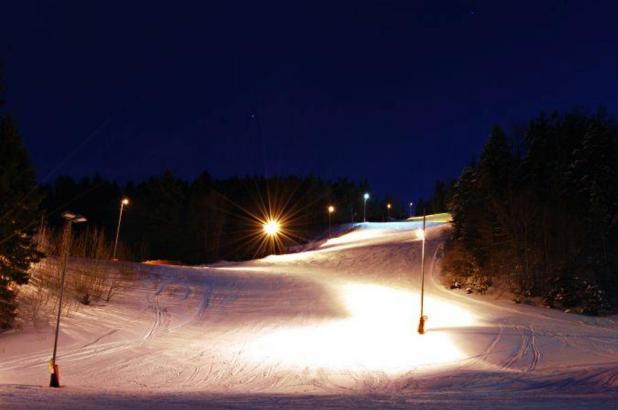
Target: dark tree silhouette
543	221
19	218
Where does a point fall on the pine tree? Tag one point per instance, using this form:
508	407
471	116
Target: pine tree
544	219
19	203
495	165
592	181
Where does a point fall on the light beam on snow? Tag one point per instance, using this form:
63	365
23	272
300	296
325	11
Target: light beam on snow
358	235
420	234
373	233
378	335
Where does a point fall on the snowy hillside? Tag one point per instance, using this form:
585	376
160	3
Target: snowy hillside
330	327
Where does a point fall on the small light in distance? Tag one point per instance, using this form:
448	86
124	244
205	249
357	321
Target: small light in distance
388	206
366	196
331	209
125	201
271	227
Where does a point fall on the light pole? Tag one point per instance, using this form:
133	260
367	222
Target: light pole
421	233
411	205
123	203
388	212
331	210
70	219
365	197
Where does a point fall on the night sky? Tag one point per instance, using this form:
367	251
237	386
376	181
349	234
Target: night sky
402	93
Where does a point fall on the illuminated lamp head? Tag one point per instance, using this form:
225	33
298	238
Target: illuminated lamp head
271	227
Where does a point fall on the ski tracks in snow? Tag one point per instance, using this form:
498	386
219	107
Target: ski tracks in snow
195	328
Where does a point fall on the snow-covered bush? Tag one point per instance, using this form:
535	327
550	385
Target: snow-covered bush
90	276
577	295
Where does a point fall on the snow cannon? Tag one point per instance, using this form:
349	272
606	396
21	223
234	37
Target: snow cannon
421	324
54	380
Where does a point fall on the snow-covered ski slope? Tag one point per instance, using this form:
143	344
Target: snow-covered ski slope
333	327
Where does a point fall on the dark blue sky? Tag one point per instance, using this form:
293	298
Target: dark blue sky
401	93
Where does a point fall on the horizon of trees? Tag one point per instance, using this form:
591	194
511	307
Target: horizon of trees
207	220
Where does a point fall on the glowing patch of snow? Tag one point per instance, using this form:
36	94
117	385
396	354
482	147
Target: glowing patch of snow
355	236
379	335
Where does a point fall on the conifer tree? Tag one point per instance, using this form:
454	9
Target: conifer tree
19	204
544	221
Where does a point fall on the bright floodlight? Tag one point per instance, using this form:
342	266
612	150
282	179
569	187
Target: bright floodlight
366	196
331	209
420	234
271	227
125	201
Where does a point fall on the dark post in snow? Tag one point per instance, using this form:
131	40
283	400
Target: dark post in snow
421	322
70	218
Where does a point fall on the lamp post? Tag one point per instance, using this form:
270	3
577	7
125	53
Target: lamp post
388	212
70	219
411	205
421	233
365	197
123	203
331	210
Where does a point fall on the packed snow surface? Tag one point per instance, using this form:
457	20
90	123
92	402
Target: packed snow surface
331	327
